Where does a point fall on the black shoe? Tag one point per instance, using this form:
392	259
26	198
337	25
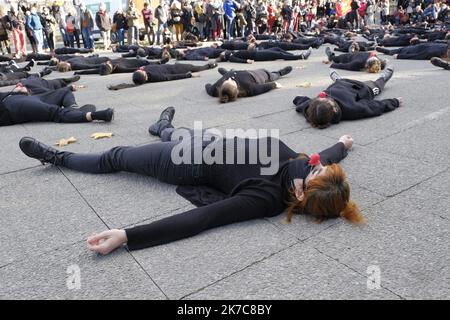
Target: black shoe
438	62
106	115
335	76
109	115
222	71
285	71
212	65
165	119
45	72
387	73
164	60
382	50
72	79
353	47
306	54
37	150
330	54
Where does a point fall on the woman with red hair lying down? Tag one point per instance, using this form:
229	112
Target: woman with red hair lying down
224	192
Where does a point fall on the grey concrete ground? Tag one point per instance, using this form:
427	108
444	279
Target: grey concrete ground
399	171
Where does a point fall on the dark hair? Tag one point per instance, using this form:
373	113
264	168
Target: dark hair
141	52
228	93
320	112
105	69
139	77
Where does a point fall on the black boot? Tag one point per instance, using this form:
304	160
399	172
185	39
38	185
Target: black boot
438	62
285	71
164	121
382	50
106	115
37	150
212	65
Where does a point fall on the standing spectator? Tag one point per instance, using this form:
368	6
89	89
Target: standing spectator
49	28
384	11
200	18
217	20
370	12
17	27
77	32
120	22
29	32
187	18
271	18
60	16
5	25
250	15
229	7
176	13
362	12
87	26
103	21
286	14
161	17
70	28
339	9
132	23
35	26
147	15
354	14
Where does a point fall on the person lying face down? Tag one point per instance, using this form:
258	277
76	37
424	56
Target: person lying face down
244	83
358	61
224	193
346	99
120	65
423	51
81	63
249	56
163	72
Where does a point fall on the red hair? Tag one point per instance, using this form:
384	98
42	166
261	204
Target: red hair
325	197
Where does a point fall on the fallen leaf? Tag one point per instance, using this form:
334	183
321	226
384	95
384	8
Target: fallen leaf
304	85
300	67
100	135
65	142
325	61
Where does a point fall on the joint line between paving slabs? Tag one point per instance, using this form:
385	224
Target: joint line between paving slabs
240	270
20	170
357	272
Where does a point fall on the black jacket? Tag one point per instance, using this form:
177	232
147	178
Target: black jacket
250	83
355	99
351	61
168	72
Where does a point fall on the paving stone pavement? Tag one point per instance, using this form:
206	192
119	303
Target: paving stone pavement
399	170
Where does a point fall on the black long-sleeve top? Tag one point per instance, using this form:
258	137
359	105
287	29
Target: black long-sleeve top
250	82
246	195
234	45
355	100
5	119
398	41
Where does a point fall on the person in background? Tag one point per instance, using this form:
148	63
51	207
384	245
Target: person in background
103	21
5	26
49	28
17	28
60	16
35	26
132	23
147	15
161	16
120	21
87	26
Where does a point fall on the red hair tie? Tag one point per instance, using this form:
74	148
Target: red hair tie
19	85
314	160
372	54
322	94
141	68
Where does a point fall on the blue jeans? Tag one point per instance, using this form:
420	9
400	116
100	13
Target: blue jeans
230	22
121	34
64	36
87	38
39	38
161	27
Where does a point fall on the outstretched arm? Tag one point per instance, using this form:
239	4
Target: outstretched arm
255	201
337	152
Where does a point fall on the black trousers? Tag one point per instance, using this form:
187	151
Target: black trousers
274	54
283	45
152	160
376	86
51	106
37	85
65	50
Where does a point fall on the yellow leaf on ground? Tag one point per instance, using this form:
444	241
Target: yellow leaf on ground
65	142
100	135
304	85
325	61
